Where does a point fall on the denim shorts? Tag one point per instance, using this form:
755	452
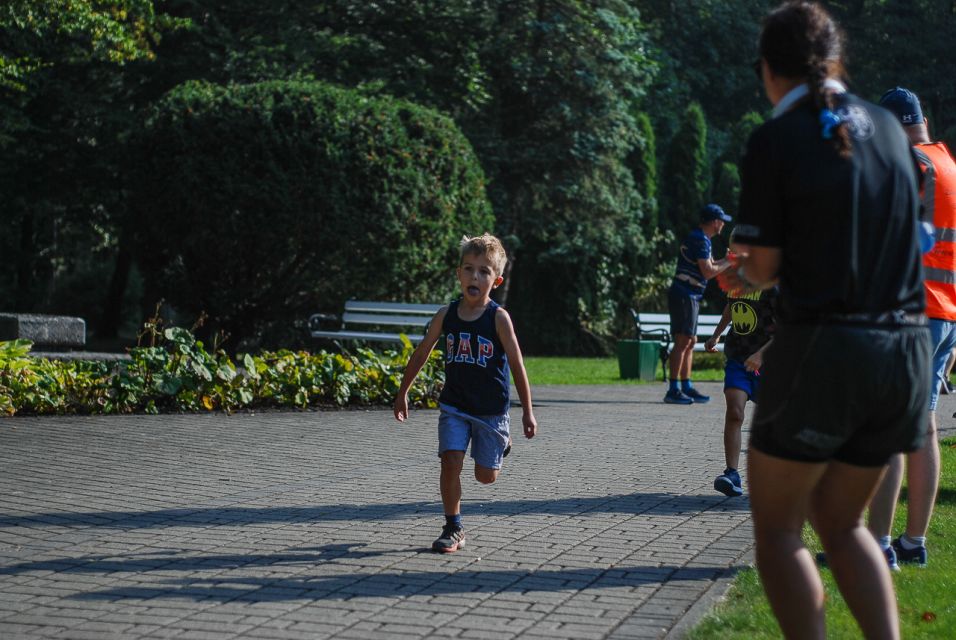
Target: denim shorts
943	334
488	435
736	376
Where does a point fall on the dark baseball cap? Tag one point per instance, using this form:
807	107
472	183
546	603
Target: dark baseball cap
713	212
904	104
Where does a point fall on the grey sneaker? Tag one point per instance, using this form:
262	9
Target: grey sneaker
451	539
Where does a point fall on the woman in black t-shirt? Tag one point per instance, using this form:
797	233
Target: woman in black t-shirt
829	209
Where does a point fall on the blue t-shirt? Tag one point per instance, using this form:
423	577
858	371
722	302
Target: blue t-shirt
477	378
696	246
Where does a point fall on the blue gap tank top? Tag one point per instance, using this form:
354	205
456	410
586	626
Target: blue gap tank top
476	367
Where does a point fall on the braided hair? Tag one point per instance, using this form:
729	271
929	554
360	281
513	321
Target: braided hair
799	39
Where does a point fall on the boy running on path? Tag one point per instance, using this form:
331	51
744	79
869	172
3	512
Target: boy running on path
480	344
751	316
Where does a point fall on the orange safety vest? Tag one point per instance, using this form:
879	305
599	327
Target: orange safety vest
939	200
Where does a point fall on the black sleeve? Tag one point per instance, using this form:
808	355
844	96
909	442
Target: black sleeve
761	215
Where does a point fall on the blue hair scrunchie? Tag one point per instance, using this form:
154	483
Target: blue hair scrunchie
829	121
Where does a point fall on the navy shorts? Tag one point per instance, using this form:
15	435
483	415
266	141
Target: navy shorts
684	309
736	376
855	394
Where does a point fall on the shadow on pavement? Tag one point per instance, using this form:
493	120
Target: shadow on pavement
348	585
633	503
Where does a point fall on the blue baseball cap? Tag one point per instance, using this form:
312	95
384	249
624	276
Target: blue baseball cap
713	212
904	104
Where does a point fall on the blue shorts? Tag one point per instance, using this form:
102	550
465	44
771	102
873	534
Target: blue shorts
736	376
943	334
488	435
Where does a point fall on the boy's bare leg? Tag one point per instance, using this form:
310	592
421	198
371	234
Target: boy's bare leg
733	420
484	475
451	463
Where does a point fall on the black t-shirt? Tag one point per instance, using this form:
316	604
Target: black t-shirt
847	227
751	322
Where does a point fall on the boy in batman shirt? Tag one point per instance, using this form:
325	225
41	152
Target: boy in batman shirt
751	316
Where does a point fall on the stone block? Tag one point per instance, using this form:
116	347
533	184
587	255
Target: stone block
43	330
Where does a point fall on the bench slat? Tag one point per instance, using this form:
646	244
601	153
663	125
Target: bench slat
392	307
706	324
350	317
366	335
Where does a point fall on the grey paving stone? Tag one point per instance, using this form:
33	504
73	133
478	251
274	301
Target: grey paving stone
281	525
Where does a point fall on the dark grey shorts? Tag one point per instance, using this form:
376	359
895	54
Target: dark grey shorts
848	393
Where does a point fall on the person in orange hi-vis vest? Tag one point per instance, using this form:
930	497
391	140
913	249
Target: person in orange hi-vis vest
939	265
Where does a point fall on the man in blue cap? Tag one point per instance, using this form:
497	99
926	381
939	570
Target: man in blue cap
695	266
939	268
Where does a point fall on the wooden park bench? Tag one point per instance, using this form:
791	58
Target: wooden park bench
374	322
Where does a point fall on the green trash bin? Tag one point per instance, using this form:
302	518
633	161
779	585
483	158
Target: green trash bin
638	358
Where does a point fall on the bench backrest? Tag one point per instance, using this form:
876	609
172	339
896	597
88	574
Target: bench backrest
659	324
706	323
396	314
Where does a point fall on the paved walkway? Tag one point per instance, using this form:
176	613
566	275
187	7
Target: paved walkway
317	525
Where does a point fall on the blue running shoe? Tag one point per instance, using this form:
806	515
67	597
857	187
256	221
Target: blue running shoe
888	552
696	396
915	556
677	397
728	483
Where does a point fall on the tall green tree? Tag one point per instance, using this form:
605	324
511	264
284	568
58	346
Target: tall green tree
544	90
705	49
727	186
61	64
687	172
903	43
642	161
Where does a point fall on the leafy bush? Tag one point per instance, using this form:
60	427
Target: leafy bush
180	375
262	203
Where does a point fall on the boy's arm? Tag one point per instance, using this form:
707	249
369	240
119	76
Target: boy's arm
506	333
755	361
415	363
711	344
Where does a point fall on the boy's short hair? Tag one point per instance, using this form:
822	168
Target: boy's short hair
485	245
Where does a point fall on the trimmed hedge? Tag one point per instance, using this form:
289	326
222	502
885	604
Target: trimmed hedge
180	375
259	204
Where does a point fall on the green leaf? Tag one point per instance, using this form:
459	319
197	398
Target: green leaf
226	373
170	385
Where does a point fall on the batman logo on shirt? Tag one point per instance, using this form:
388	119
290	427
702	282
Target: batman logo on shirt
743	317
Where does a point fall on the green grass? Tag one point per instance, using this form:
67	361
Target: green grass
550	370
927	597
